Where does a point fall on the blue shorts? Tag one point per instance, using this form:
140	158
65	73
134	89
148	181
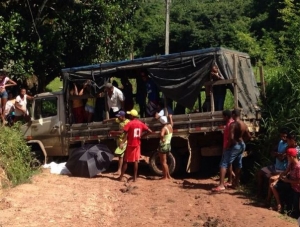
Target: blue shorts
4	95
233	155
89	109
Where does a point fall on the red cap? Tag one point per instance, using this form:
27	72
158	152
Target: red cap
291	152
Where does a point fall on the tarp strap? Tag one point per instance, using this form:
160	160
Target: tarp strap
193	60
92	72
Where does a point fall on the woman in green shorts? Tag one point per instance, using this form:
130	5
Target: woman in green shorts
165	145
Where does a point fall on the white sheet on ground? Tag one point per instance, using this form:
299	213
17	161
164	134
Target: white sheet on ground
56	168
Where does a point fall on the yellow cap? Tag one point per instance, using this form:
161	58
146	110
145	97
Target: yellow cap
133	113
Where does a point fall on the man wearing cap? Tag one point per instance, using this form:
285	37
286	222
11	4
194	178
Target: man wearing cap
133	133
122	121
115	99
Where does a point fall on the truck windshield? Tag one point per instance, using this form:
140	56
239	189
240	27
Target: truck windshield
45	107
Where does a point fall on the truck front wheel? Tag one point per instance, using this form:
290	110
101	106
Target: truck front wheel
38	158
155	165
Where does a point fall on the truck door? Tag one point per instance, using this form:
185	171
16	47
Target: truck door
46	125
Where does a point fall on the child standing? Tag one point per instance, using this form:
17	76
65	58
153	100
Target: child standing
119	152
165	145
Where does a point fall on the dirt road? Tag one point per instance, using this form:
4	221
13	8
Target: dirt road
55	200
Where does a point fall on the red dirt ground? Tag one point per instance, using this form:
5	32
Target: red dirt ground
55	200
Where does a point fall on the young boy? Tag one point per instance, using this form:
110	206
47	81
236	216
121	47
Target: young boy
133	133
277	187
122	121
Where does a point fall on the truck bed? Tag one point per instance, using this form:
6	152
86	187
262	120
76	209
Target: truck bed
184	125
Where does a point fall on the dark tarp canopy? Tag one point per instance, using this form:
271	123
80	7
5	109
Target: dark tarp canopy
181	76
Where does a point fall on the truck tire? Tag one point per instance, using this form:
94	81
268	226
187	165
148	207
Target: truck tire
155	165
38	158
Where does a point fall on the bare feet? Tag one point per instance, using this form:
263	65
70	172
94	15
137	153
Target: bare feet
122	179
117	173
132	179
163	178
218	189
276	208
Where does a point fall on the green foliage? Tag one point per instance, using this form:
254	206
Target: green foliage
149	28
45	36
54	85
15	157
193	25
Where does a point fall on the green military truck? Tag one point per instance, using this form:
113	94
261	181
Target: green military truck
180	77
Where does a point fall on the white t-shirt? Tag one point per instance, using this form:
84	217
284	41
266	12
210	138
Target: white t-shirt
22	103
162	112
115	101
10	106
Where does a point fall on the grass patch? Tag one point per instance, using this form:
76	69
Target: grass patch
15	156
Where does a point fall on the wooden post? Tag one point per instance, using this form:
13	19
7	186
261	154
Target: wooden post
165	106
235	82
105	100
168	3
199	103
106	107
262	81
212	103
167	42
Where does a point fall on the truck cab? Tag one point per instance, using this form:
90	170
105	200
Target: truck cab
45	131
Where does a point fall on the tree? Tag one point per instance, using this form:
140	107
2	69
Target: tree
52	34
195	25
149	28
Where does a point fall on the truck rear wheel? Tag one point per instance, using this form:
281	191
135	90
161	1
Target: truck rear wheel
155	165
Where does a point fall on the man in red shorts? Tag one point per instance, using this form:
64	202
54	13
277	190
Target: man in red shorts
133	133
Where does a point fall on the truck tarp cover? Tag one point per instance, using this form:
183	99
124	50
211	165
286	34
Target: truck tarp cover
181	76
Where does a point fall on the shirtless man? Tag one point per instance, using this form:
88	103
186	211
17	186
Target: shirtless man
233	154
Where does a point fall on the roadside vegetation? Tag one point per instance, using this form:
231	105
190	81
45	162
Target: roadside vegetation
281	106
15	157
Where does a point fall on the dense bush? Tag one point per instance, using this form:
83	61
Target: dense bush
280	109
15	156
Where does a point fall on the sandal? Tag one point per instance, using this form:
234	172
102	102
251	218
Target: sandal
218	189
227	185
276	208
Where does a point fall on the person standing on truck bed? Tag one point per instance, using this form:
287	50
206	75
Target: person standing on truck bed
115	100
219	91
234	151
122	121
133	133
127	91
21	112
90	103
141	93
152	94
77	106
166	134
